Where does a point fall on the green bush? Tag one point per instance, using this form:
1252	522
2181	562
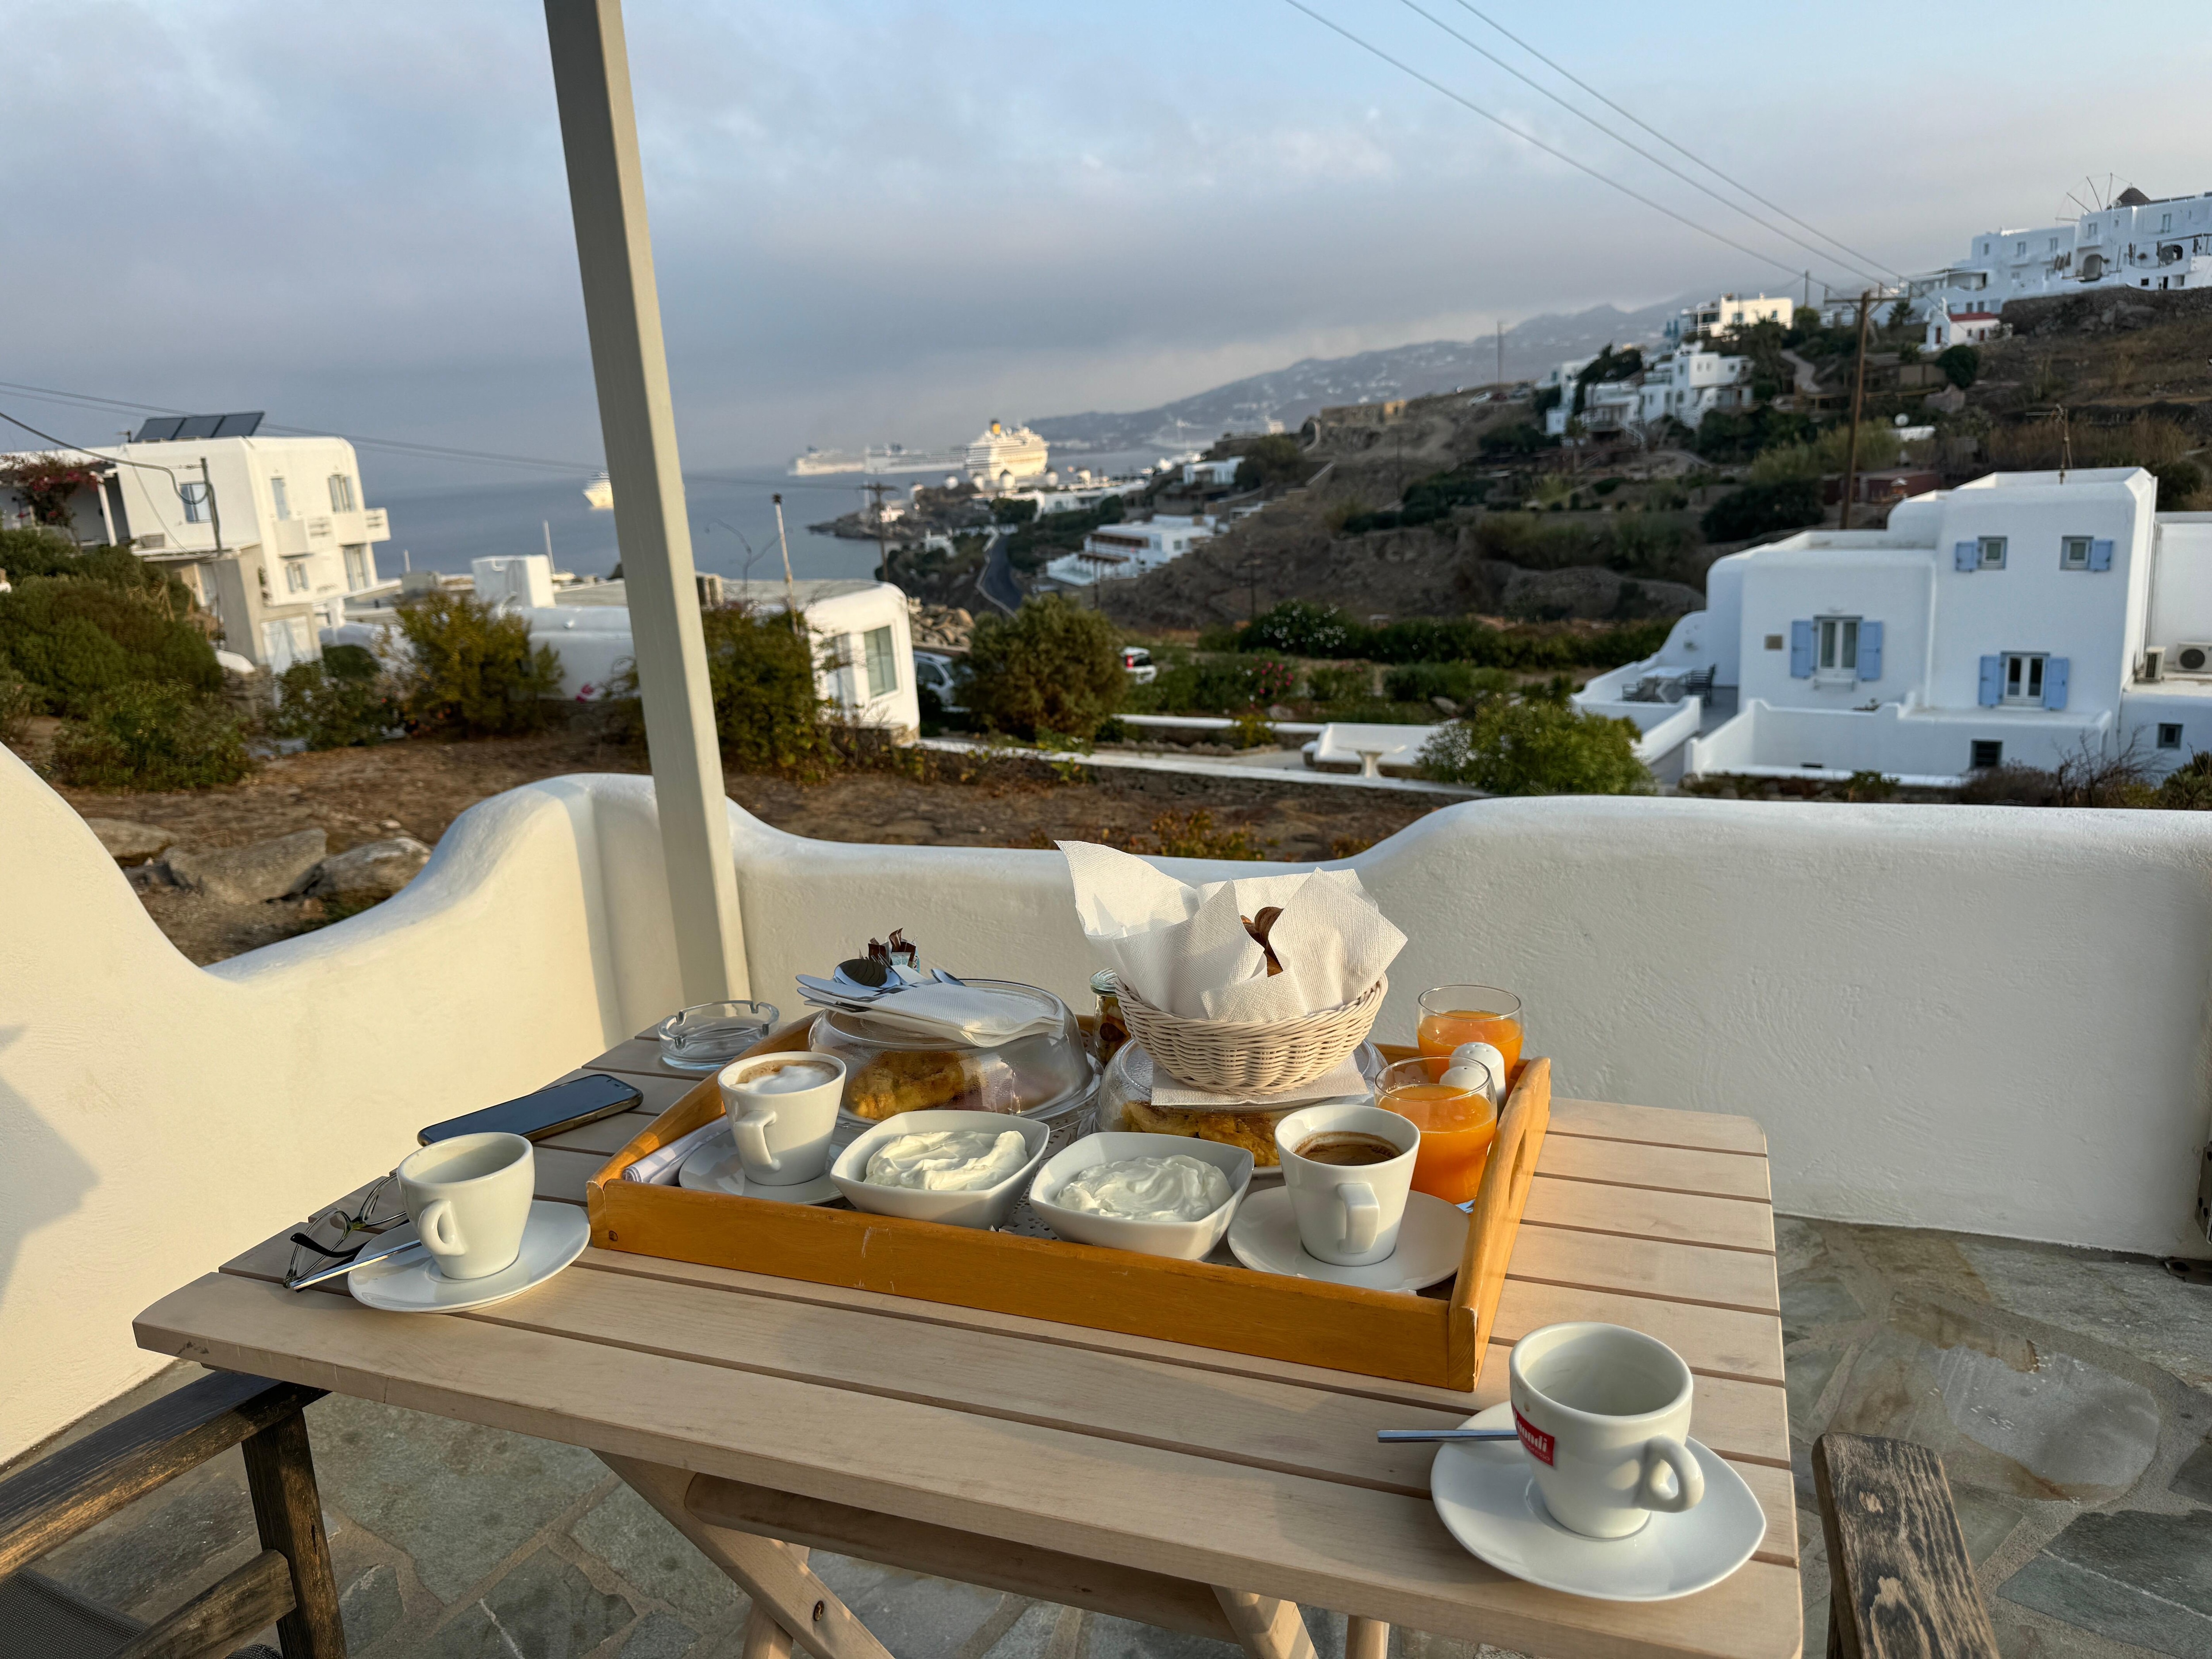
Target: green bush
1725	435
1215	685
1344	684
1419	682
1425	639
1036	543
1006	510
1962	365
41	553
768	712
19	701
1659	546
2179	484
1764	509
152	735
1276	459
1051	666
332	705
76	636
475	673
1536	746
1425	501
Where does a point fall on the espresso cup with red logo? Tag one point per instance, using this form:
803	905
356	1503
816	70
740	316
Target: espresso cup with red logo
1603	1412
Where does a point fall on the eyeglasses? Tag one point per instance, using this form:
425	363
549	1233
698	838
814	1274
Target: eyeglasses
341	1234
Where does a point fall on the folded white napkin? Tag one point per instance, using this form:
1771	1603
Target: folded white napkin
660	1167
1345	1078
978	1016
1185	950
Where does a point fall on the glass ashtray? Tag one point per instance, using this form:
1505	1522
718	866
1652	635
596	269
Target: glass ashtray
709	1036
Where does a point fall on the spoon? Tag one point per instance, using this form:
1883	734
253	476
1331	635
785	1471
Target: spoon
1401	1437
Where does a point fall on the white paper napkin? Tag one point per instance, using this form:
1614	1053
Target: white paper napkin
1346	1078
1185	950
976	1016
660	1167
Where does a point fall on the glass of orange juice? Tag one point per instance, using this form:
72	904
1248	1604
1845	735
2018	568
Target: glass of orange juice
1456	1120
1452	1014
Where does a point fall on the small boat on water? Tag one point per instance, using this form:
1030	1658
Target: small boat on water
600	492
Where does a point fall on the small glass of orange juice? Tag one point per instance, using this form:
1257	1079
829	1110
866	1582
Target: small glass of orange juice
1456	1120
1452	1014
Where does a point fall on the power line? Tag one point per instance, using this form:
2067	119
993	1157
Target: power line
1630	144
1670	144
1530	138
401	445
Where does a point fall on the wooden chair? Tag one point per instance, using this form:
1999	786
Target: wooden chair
1900	1583
288	1583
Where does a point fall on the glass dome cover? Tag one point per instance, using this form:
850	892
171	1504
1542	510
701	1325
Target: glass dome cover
1043	1074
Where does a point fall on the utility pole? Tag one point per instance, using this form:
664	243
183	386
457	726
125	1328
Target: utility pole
790	593
875	491
637	421
1858	397
1501	356
1808	290
215	513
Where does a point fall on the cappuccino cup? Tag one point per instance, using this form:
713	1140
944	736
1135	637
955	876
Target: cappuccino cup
469	1198
782	1109
1348	1213
1603	1413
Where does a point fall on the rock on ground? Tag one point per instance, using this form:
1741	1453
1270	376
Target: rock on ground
374	870
131	843
245	875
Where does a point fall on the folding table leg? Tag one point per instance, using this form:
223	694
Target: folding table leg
786	1594
1366	1638
1267	1628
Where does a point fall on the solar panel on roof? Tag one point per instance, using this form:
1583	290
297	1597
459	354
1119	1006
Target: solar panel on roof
169	428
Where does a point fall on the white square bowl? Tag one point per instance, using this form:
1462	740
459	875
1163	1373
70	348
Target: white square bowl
1187	1241
983	1207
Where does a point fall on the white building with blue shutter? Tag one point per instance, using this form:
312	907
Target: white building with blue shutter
2014	619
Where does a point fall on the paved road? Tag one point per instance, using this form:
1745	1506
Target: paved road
997	583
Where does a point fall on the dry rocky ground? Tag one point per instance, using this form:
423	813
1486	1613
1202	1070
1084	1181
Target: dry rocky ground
418	787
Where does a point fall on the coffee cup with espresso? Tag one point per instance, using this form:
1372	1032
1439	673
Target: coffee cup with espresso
1603	1412
1347	1170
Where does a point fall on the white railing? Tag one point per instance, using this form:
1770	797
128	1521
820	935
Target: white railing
1886	988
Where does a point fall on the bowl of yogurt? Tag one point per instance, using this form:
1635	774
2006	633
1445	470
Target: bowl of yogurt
965	1169
1157	1194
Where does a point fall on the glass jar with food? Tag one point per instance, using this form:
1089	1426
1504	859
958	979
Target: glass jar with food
1113	1026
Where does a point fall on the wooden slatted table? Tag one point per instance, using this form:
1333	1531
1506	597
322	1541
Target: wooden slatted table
1202	1491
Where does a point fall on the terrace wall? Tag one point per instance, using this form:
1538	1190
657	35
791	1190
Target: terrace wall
1984	1019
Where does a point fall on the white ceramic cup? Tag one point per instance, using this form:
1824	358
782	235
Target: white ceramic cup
469	1198
1347	1213
782	1127
1603	1412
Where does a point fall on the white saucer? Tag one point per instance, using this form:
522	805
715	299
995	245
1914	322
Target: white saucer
1431	1241
716	1168
554	1236
1488	1499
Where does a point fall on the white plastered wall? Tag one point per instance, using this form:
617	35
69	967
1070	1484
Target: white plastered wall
1986	1019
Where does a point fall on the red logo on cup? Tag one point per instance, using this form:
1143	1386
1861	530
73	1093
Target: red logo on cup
1538	1443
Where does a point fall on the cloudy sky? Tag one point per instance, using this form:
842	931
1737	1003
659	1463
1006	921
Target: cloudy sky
892	219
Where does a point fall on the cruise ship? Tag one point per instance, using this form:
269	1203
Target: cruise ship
600	492
892	458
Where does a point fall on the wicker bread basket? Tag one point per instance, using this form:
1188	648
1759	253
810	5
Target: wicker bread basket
1257	1058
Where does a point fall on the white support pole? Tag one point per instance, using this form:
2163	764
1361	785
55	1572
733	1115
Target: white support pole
621	309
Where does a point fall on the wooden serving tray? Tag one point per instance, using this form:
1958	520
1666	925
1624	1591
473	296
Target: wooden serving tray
1435	1339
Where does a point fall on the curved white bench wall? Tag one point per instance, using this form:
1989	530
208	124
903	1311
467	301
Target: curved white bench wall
1989	1020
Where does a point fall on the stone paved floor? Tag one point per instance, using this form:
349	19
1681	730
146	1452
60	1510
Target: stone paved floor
2068	1392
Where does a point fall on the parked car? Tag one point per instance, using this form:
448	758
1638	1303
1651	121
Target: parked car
1138	663
932	671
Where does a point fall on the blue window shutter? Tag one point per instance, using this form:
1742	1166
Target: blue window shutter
1966	556
2100	555
2054	682
1800	651
1993	682
1869	650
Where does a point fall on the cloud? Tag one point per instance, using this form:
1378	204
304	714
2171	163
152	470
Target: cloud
880	219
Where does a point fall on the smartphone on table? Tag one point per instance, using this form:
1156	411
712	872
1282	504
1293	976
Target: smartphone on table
550	1111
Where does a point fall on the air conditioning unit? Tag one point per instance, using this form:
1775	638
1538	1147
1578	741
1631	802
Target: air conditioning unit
2153	661
2189	657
